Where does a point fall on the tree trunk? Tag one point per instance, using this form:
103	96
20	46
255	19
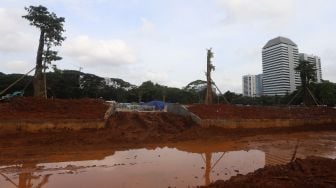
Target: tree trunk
208	95
208	99
38	81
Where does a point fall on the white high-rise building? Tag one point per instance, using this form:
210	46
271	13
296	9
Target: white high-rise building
279	58
249	85
252	85
316	61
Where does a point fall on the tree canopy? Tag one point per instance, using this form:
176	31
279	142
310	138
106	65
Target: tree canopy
47	22
307	74
71	84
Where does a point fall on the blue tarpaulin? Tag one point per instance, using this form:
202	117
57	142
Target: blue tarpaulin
159	105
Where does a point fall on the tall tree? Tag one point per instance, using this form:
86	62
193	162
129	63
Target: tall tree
210	67
51	33
307	74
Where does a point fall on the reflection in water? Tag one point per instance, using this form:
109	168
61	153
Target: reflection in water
179	165
161	167
27	179
207	168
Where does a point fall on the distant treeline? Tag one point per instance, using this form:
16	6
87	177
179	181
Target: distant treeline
70	84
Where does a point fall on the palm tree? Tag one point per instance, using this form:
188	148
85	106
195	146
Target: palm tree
307	74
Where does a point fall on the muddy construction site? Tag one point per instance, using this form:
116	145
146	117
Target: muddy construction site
164	149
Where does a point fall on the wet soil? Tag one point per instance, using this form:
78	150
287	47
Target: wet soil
41	108
127	130
179	163
261	112
310	172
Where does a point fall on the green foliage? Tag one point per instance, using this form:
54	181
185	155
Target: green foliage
149	91
307	75
325	92
198	88
307	72
7	79
64	84
48	22
196	85
210	55
91	84
234	98
74	84
50	55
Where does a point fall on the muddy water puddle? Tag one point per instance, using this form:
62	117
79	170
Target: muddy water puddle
186	164
161	167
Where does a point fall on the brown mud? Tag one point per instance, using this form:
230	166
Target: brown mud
41	108
221	111
126	130
33	154
123	128
310	172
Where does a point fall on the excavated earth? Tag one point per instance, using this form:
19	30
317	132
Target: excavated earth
309	172
222	111
134	128
40	108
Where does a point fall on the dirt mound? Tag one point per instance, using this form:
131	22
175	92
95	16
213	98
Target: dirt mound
310	172
142	126
257	112
40	108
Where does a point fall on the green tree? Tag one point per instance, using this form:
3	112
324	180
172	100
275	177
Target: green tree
149	91
307	74
23	85
51	33
196	85
198	88
91	85
326	92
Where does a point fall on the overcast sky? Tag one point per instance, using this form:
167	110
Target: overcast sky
166	40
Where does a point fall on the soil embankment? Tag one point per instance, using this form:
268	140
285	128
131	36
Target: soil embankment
34	108
143	126
223	111
263	117
126	127
310	172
